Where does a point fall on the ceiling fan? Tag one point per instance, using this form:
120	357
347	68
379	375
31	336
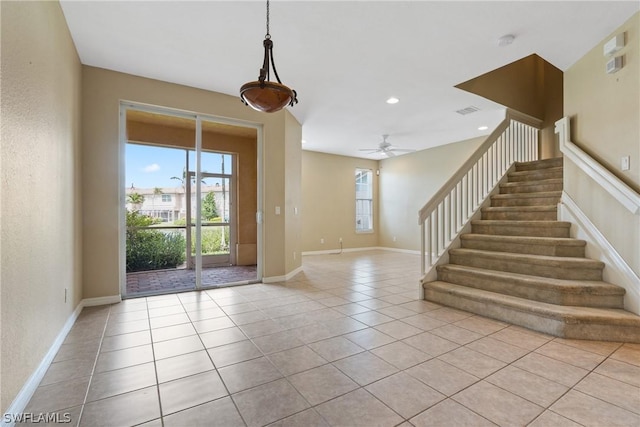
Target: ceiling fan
386	148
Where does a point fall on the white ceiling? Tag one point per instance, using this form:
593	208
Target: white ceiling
345	58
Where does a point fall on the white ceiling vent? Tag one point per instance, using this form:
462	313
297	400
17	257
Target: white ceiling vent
468	110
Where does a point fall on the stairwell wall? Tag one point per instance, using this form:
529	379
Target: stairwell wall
604	110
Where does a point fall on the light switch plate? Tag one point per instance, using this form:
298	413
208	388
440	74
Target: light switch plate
625	163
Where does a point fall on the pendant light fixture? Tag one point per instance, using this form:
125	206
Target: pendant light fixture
263	94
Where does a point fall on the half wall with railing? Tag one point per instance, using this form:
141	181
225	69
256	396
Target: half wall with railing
444	216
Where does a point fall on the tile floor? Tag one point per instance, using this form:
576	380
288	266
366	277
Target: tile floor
346	343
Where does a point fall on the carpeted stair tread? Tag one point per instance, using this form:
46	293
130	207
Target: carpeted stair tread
590	293
539	164
607	324
555	246
542	208
535	174
565	262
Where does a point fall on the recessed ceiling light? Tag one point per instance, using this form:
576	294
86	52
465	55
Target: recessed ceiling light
393	100
483	128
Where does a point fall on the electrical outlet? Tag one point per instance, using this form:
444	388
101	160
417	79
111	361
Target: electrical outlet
294	256
394	238
625	163
340	240
65	294
322	241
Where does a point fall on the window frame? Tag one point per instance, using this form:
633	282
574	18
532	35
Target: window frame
360	200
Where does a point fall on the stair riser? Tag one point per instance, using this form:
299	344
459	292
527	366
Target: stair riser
516	230
517	189
570	271
525	201
524	248
537	175
521	216
556	327
529	290
546	164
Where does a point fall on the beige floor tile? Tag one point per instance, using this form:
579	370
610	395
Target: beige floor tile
213	324
445	378
551	419
313	332
420	306
308	418
603	348
207	313
269	402
239	308
258	329
233	353
172	332
200	305
450	413
612	391
222	337
141	406
365	368
190	391
405	394
481	325
335	348
497	349
123	358
395	299
534	388
277	342
589	411
423	322
125	327
519	338
401	355
120	342
165	311
498	405
351	309
178	346
374	304
398	329
456	334
369	338
477	364
251	373
248	317
571	355
358	408
629	353
322	383
296	360
448	315
80	350
163	301
111	383
343	325
126	305
184	365
620	371
174	319
61	395
396	311
551	369
128	316
431	344
372	318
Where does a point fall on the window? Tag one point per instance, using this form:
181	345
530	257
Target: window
166	197
364	200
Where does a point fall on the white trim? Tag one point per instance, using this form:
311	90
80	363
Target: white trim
338	251
607	180
617	271
29	388
403	251
90	302
288	276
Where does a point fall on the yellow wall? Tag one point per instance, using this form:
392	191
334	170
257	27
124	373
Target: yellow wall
605	121
408	182
328	202
293	186
41	223
102	91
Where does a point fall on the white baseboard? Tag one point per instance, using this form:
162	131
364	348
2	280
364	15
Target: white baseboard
616	271
368	248
288	276
29	388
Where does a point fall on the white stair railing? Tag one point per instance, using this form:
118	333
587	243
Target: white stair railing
442	218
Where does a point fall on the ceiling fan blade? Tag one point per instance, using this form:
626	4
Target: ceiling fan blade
373	150
403	150
389	153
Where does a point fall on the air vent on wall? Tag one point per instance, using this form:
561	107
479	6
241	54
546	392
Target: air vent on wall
468	110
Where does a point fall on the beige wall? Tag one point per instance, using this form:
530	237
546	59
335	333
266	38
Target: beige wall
102	91
406	184
293	186
40	225
605	119
328	202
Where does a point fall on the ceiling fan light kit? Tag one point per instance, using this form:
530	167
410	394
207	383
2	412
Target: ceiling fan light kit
263	94
386	149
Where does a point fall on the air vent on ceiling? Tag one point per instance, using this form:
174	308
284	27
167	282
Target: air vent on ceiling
468	110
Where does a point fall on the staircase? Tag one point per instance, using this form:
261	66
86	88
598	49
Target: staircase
519	265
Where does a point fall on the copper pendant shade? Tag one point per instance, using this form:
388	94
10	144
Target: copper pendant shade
262	94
